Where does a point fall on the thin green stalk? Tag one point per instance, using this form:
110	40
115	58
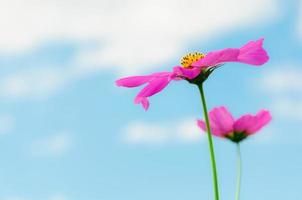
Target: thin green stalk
210	141
238	184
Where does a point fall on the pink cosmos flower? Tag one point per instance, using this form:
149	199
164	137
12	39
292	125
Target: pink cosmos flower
195	68
224	125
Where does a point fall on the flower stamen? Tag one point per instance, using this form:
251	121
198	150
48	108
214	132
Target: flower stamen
190	58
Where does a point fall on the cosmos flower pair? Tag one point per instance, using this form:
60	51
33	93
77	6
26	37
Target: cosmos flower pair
196	68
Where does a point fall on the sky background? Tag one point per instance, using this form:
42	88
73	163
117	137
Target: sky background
68	133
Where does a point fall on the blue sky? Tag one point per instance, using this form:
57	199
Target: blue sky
68	133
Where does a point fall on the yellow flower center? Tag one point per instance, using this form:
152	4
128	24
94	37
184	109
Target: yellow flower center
190	58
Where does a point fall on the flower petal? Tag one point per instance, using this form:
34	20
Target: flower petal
156	85
253	53
221	122
142	100
251	124
217	57
133	81
243	123
145	103
190	73
201	124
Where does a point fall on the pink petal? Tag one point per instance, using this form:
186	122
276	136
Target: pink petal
251	124
190	73
221	121
156	85
142	100
217	57
202	125
244	122
133	81
253	53
145	103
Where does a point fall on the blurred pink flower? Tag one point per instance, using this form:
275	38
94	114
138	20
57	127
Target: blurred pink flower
195	68
223	124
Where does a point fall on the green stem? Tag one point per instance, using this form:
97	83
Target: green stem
210	141
238	172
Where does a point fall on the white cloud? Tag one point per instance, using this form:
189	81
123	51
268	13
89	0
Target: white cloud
6	123
188	131
140	132
267	135
13	198
54	145
299	26
280	80
130	36
161	133
18	197
285	89
289	108
32	83
58	197
135	34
